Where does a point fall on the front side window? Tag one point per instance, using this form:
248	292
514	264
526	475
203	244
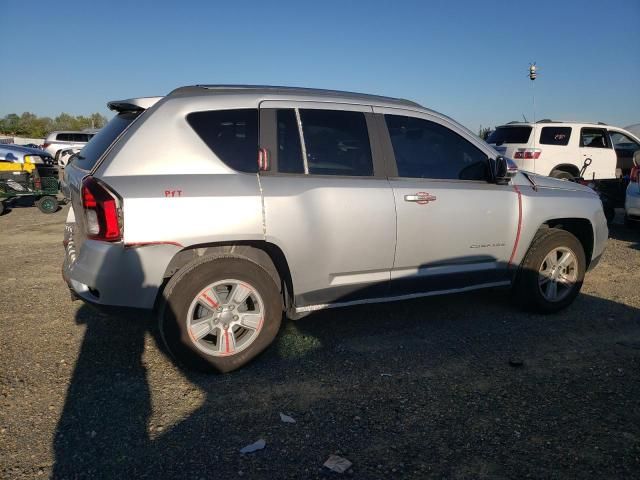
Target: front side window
594	138
425	149
231	134
555	135
336	143
623	143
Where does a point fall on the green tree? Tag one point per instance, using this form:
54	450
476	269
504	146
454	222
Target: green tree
30	125
484	132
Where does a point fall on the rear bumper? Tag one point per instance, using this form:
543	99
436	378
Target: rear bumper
110	274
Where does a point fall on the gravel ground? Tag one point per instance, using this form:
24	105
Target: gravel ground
416	389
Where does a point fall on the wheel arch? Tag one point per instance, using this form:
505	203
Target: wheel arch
581	228
566	167
267	255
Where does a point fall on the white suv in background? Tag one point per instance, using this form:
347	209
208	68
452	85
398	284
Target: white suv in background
58	141
559	149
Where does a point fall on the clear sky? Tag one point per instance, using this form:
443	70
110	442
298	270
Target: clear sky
467	59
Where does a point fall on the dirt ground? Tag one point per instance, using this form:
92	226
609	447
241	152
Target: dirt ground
424	388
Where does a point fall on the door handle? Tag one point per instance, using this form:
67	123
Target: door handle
421	198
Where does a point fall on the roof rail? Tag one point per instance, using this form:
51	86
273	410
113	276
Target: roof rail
547	120
294	91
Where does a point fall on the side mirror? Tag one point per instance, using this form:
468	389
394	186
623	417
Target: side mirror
504	170
636	158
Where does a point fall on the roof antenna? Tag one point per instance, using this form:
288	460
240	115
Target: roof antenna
525	118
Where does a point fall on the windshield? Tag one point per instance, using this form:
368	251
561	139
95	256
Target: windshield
93	150
510	135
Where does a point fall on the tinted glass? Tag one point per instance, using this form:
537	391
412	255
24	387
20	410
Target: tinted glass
64	137
555	135
231	134
289	150
510	135
425	149
622	142
337	143
594	138
93	150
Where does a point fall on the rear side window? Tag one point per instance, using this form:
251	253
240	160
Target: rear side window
594	138
231	134
425	149
510	135
102	140
64	137
337	143
555	135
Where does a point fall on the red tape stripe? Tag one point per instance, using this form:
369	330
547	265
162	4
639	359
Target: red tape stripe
515	244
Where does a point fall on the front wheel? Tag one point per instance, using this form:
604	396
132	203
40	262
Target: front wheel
219	313
551	274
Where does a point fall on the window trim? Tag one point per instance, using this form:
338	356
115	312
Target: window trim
392	166
268	135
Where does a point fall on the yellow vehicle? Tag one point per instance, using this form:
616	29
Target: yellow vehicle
6	166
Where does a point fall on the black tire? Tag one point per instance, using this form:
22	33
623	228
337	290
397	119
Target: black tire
48	204
2	208
630	223
183	288
562	175
527	291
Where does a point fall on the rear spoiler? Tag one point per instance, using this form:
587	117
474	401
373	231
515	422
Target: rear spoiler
133	104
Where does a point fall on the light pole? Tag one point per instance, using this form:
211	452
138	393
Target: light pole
533	74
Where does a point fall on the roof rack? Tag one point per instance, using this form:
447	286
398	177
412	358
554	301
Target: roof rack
547	120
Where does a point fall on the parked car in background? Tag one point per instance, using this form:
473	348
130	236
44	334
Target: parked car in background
559	149
632	200
58	141
25	155
634	129
65	155
271	199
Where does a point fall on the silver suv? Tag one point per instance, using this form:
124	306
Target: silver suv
260	200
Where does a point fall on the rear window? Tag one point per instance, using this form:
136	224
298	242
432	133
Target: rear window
231	134
510	135
99	143
555	135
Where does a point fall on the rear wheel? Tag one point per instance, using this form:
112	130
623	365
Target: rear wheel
48	204
552	272
2	208
562	175
219	313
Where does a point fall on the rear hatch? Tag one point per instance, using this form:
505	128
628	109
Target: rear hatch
508	138
84	162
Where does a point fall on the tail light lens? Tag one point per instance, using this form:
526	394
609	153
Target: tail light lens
527	154
102	211
635	174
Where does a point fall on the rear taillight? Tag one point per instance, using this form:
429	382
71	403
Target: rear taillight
635	174
102	212
527	153
45	145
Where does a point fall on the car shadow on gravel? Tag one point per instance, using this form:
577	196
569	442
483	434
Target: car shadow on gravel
358	362
624	233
